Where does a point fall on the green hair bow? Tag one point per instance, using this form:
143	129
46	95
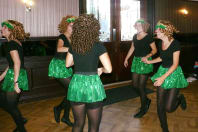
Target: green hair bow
70	20
160	26
9	25
140	21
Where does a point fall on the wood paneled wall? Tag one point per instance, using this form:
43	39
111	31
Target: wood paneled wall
44	17
168	10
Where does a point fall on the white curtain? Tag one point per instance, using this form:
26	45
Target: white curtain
44	17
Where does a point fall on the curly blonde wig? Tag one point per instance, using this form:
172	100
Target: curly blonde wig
16	29
144	23
62	27
167	28
85	33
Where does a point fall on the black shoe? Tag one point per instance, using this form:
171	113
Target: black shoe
183	104
67	121
57	114
147	105
143	111
16	130
24	122
140	114
165	130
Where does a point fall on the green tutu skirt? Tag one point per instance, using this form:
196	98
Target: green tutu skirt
140	67
8	83
57	69
174	80
86	88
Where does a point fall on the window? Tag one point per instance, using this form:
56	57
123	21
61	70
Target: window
101	10
130	12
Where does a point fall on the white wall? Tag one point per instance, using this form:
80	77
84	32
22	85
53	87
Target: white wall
44	17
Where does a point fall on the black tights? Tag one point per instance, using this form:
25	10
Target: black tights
10	104
64	103
139	83
2	99
94	117
167	101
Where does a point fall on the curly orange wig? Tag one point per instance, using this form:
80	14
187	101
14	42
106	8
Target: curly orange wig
85	33
62	27
167	28
16	30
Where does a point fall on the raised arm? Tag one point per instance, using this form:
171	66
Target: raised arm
105	60
69	60
130	52
60	47
2	76
175	64
156	60
17	64
153	51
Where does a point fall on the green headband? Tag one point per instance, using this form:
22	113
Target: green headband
160	26
9	25
70	20
140	21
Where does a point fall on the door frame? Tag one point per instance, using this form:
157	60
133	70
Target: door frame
116	48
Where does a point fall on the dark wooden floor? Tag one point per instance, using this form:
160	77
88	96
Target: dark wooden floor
117	117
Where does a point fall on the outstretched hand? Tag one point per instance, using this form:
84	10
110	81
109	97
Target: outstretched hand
1	78
158	81
100	71
145	60
126	63
16	88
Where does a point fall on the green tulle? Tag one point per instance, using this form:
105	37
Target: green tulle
140	67
86	88
174	80
8	83
57	69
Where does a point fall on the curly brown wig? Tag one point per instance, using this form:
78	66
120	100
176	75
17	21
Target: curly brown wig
85	33
18	32
62	27
169	28
144	23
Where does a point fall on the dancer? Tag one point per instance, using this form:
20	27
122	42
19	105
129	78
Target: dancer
86	91
15	76
143	47
169	77
57	67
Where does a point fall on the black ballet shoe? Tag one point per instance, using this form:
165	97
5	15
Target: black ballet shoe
140	114
144	110
57	114
183	103
16	130
24	122
165	130
147	105
67	121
